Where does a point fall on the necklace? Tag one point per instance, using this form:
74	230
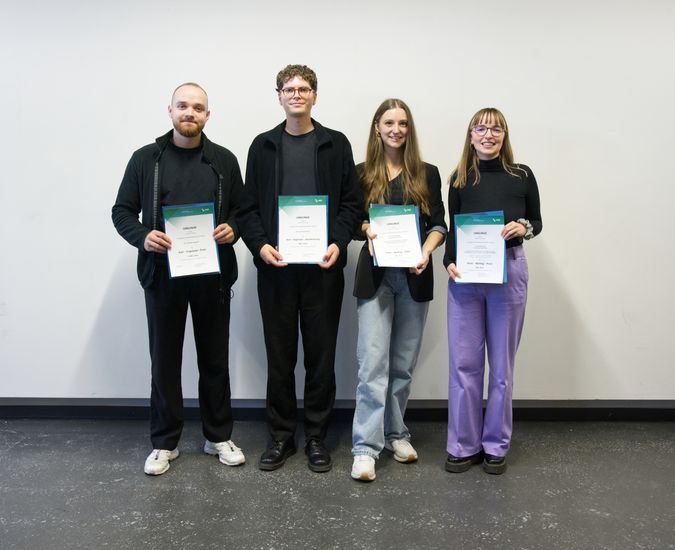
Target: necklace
392	174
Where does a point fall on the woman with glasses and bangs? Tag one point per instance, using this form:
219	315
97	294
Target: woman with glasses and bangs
484	315
392	302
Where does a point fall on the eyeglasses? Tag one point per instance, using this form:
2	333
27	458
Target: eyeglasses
483	130
302	92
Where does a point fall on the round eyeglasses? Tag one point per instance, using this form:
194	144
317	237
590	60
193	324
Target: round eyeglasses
302	92
481	130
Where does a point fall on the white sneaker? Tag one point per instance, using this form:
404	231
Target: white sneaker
158	461
228	453
363	468
403	450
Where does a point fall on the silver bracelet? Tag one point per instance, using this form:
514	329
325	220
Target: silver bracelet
529	234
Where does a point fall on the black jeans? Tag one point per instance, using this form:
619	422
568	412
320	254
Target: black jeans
166	302
312	296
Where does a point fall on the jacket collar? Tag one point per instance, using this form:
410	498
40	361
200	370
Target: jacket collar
274	135
163	141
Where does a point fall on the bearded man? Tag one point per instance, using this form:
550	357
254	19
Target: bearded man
183	167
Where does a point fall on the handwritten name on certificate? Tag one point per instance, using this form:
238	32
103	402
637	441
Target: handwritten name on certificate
303	228
193	250
480	247
398	235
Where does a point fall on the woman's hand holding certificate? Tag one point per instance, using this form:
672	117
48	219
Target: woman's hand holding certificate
398	235
480	247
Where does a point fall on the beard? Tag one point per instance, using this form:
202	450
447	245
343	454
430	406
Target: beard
188	129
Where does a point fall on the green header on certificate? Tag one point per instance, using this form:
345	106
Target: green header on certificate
187	210
380	210
480	218
302	200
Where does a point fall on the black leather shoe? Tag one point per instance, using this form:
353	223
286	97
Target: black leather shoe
459	464
276	454
494	464
318	457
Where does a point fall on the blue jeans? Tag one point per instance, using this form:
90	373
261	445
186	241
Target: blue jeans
391	324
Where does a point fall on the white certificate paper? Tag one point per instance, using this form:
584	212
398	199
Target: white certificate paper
303	228
193	250
398	241
480	247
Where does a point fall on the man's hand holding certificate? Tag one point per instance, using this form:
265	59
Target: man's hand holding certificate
193	250
303	228
480	247
398	235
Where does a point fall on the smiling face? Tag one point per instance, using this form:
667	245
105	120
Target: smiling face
488	145
393	128
300	103
189	111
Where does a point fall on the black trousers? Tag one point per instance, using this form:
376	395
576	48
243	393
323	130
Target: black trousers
313	297
166	302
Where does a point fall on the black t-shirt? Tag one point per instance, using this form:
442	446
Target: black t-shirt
298	164
394	192
185	179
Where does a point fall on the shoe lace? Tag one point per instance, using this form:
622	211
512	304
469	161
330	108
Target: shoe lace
228	445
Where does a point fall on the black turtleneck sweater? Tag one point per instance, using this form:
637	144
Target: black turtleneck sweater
517	196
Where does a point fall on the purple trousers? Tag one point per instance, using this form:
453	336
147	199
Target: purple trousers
480	315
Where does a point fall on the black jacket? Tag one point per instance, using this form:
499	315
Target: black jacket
335	177
140	192
368	277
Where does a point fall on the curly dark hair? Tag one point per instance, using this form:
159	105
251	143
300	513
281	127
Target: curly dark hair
290	71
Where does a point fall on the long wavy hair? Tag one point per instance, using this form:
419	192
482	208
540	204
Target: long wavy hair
468	163
374	180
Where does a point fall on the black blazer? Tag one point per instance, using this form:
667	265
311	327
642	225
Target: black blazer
368	277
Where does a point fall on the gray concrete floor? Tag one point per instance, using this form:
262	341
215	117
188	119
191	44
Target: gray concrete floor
80	484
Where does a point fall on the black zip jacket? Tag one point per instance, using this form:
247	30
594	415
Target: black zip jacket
140	192
335	177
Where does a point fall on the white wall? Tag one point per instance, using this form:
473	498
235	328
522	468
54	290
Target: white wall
587	89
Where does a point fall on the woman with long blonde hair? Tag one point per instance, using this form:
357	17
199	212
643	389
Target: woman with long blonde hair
484	315
392	302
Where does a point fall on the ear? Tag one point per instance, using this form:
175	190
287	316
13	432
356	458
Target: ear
169	110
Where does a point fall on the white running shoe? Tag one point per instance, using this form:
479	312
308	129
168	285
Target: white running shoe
158	461
363	468
228	453
403	450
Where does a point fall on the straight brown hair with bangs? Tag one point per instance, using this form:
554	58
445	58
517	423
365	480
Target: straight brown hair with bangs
374	180
468	163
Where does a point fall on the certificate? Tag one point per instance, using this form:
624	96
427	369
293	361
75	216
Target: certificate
303	228
398	235
480	247
193	250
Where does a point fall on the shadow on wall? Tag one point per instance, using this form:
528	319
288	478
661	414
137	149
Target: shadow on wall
559	357
346	367
116	364
430	379
248	361
115	361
